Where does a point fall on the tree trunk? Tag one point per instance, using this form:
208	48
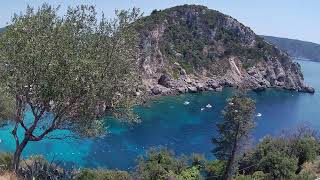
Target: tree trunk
17	154
228	172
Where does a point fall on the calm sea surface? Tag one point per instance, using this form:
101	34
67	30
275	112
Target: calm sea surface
183	128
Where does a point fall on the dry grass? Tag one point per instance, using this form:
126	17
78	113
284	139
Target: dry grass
313	167
9	176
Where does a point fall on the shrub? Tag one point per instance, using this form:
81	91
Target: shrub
88	174
192	173
214	168
36	167
279	165
159	164
304	175
5	161
305	149
259	175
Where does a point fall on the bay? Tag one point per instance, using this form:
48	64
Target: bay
179	126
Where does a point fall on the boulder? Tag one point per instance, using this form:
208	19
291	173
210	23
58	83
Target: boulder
259	89
182	89
188	80
200	86
219	89
164	80
156	90
213	83
192	89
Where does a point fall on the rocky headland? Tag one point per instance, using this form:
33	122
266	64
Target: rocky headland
191	48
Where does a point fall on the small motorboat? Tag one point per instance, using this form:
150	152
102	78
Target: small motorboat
186	103
208	106
259	115
202	109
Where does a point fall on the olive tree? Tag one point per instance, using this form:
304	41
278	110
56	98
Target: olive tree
67	70
234	131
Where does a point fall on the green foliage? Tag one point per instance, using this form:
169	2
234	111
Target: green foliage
243	177
202	41
68	66
197	160
283	157
36	167
234	131
305	176
237	124
76	68
214	168
192	173
296	48
160	164
305	149
88	174
258	175
5	161
279	165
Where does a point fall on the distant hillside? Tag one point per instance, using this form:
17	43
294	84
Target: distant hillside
296	48
2	29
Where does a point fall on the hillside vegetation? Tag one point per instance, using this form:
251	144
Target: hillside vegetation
192	48
296	48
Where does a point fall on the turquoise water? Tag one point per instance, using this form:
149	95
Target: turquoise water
182	128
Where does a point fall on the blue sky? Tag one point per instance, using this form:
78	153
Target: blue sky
284	18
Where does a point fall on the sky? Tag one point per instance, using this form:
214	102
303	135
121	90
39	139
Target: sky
294	19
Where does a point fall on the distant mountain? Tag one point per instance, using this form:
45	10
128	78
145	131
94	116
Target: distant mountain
2	29
296	48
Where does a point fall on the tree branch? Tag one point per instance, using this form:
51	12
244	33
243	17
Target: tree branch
54	122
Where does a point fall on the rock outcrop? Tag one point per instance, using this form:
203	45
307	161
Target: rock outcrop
192	48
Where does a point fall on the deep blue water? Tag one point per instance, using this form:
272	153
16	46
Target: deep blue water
182	128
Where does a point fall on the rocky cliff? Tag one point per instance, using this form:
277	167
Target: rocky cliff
191	48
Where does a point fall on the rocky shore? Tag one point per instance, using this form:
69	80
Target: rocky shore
257	78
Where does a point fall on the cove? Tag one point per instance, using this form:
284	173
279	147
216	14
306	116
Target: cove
184	128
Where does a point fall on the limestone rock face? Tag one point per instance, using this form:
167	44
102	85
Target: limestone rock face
192	48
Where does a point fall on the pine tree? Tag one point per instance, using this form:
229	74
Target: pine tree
234	131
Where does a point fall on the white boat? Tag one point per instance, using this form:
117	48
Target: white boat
202	109
259	114
208	106
186	103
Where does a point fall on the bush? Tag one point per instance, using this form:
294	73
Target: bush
192	173
161	164
88	174
259	175
305	176
214	168
5	161
305	149
279	165
36	167
242	177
